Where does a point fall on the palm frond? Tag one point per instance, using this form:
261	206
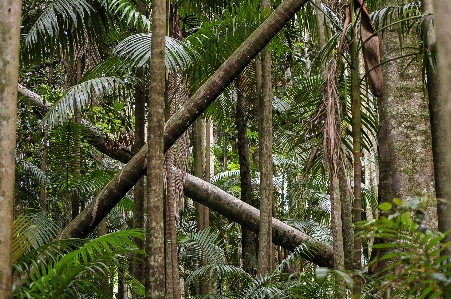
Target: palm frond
40	176
82	95
68	271
127	11
136	51
32	231
49	23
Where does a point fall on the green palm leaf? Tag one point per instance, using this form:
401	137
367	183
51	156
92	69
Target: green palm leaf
136	50
81	95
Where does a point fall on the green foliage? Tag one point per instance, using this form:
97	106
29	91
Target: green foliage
74	267
409	251
81	95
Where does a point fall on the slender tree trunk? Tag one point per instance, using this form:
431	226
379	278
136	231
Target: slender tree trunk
138	269
172	266
265	248
199	167
42	195
320	24
346	218
155	247
356	145
332	156
101	231
248	240
439	89
9	60
77	145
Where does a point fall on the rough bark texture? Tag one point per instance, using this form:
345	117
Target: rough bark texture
333	159
177	124
139	189
155	238
248	239
9	62
248	216
439	88
265	249
404	136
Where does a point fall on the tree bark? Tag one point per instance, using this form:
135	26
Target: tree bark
356	145
9	61
265	249
404	137
439	91
202	218
155	238
140	140
248	239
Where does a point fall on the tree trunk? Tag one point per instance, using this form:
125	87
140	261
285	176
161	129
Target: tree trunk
177	124
404	137
75	197
155	238
265	249
42	194
439	88
138	269
333	159
9	60
248	240
202	218
356	146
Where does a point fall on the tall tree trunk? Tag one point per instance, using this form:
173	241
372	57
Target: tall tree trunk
439	90
9	60
265	248
75	198
248	240
333	160
177	124
404	137
104	283
138	269
155	245
356	146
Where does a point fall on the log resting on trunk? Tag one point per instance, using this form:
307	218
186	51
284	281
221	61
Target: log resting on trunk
217	200
249	217
179	122
117	188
